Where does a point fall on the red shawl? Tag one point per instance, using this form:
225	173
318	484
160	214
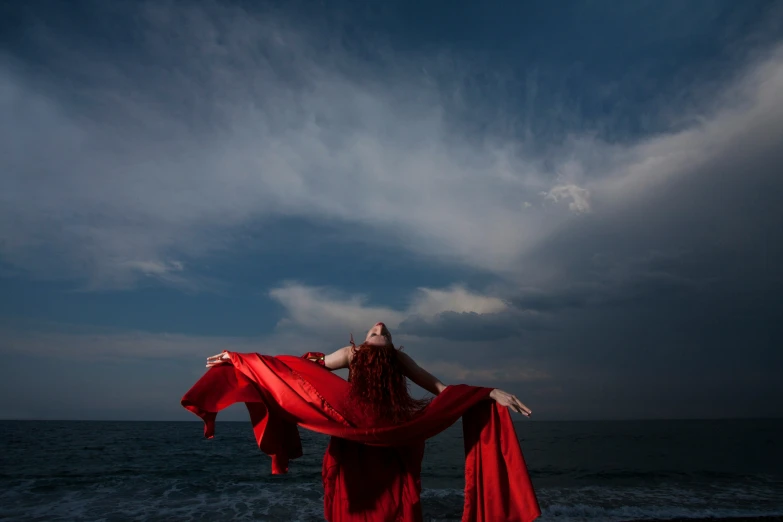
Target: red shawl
370	472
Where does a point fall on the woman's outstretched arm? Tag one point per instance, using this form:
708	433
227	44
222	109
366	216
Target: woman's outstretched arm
334	361
433	385
419	375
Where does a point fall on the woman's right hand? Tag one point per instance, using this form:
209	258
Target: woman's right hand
506	399
217	360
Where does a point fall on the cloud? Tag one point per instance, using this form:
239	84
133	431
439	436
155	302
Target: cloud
580	198
160	165
155	268
472	326
748	108
440	313
324	311
430	302
457	373
141	163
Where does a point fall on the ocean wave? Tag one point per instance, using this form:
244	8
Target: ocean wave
586	512
303	502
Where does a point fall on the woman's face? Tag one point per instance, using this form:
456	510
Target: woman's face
378	335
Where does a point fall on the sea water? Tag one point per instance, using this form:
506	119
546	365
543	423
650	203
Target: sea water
611	470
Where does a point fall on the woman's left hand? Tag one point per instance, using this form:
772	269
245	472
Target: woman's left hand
217	360
506	399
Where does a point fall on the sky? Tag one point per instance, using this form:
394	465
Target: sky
574	202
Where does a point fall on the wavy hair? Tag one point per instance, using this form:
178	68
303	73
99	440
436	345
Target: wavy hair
379	386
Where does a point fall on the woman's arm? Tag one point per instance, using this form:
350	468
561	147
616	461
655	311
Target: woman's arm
334	361
339	359
419	375
431	383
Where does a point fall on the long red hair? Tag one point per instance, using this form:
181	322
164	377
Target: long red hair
379	386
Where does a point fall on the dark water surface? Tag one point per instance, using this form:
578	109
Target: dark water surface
613	470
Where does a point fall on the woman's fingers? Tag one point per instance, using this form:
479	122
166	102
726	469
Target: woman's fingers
216	360
522	408
518	407
512	403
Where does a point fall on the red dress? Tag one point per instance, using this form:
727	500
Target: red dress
371	471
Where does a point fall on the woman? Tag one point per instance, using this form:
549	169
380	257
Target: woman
372	466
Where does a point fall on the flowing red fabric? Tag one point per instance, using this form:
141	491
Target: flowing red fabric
371	470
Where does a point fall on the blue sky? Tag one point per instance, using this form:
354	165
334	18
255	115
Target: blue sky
576	203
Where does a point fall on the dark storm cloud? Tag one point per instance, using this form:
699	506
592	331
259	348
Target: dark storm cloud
472	326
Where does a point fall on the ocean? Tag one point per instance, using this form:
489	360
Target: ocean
611	470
